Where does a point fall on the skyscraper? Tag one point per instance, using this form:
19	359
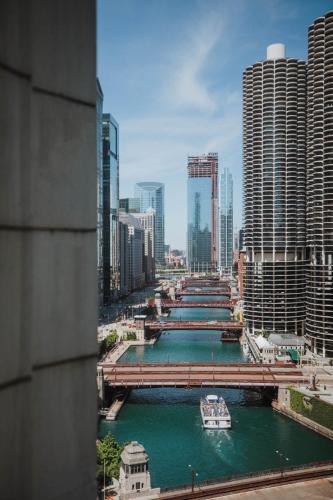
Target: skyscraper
111	282
151	195
319	305
202	212
225	220
147	221
274	93
99	160
136	274
129	205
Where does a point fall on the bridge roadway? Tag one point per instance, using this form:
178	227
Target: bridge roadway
224	291
202	324
226	304
199	375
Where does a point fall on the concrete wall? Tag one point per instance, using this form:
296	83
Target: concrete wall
48	249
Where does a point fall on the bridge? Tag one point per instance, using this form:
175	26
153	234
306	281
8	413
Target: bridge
200	324
224	291
226	304
199	375
209	283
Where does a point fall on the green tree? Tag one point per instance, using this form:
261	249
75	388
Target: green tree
108	342
130	336
108	451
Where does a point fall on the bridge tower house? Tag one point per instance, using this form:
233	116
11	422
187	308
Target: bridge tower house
158	303
134	476
140	327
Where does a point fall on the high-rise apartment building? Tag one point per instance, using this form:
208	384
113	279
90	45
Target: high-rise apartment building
202	212
274	93
151	195
124	263
111	279
136	275
99	161
147	221
225	220
319	303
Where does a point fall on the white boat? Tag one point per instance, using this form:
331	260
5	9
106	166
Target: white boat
214	412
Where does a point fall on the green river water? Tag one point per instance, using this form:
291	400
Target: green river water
168	423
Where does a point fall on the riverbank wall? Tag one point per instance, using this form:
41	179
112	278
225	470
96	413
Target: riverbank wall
306	409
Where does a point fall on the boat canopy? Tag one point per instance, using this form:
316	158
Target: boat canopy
212	397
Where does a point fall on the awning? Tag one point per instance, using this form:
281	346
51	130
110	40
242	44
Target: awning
294	355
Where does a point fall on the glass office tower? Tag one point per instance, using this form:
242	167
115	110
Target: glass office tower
151	195
274	139
319	302
225	197
202	217
99	160
111	281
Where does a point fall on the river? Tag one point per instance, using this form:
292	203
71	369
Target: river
168	423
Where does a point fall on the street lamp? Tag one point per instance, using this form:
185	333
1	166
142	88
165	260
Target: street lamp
194	475
282	459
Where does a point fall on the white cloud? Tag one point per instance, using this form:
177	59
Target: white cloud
186	85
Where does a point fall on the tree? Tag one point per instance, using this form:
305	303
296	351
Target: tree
108	342
108	451
130	336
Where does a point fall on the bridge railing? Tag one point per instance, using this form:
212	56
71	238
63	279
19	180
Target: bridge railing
250	475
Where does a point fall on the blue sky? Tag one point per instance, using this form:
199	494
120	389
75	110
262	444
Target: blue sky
171	73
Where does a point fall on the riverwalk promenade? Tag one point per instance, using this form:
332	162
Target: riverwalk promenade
267	485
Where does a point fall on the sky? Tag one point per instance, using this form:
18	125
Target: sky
171	74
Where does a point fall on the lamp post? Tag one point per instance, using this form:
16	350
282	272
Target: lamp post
282	459
194	475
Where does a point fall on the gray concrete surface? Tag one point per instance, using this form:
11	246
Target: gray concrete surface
319	489
48	312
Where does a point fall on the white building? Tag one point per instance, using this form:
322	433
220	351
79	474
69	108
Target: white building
134	476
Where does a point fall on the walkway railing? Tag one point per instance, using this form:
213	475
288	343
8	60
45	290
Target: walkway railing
251	475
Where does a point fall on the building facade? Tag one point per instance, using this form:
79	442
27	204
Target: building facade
129	205
274	135
111	264
125	286
202	212
151	195
135	251
99	161
225	220
319	303
148	223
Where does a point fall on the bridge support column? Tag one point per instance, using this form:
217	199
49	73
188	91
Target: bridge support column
100	385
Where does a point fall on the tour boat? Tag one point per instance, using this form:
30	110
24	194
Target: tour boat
214	412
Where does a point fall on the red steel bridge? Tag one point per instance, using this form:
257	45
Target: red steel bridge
226	304
240	375
224	291
202	324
